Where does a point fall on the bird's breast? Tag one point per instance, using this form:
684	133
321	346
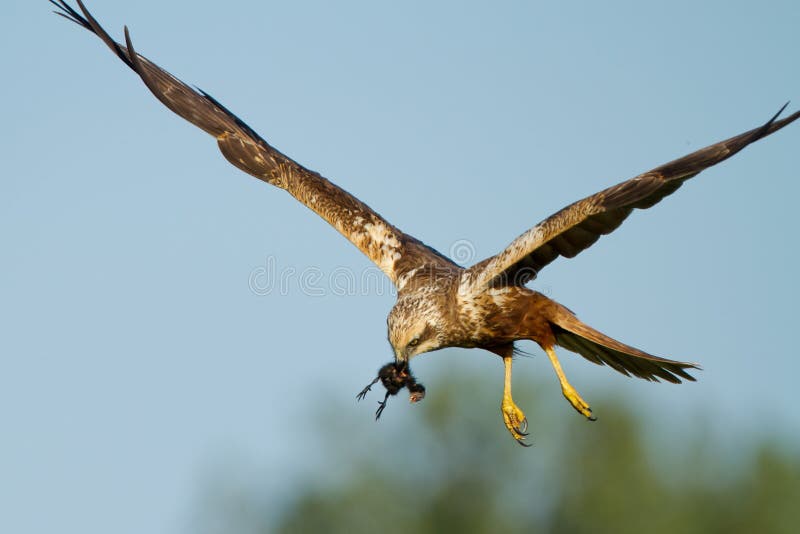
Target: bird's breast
493	317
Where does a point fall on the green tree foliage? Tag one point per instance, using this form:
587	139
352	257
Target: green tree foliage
450	467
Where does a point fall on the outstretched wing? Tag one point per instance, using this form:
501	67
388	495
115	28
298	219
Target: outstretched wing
576	227
393	251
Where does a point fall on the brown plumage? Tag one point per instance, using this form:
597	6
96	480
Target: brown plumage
440	304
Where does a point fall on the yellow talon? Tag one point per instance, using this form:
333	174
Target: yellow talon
513	417
577	402
515	420
566	388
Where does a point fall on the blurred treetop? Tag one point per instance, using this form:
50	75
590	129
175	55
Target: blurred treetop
451	468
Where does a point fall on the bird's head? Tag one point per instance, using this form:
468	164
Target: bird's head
415	327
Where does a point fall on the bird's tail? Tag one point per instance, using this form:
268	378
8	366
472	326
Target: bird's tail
574	335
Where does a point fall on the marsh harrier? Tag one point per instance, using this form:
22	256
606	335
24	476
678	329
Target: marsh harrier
441	304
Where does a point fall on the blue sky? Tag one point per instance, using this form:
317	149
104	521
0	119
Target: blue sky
136	356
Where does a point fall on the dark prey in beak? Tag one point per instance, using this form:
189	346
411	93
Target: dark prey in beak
395	376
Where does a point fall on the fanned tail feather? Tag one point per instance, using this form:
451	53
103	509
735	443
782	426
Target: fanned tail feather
574	335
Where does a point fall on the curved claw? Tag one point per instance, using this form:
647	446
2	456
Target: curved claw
523	427
593	418
580	405
515	421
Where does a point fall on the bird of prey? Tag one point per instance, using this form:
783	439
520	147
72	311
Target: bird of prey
439	303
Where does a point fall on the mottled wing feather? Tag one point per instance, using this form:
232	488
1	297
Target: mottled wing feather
576	227
394	252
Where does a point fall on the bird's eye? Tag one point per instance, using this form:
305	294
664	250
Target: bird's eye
414	342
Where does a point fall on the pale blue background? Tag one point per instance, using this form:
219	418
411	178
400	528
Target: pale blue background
136	365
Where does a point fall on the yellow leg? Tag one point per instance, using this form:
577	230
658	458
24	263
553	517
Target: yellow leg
514	418
569	392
